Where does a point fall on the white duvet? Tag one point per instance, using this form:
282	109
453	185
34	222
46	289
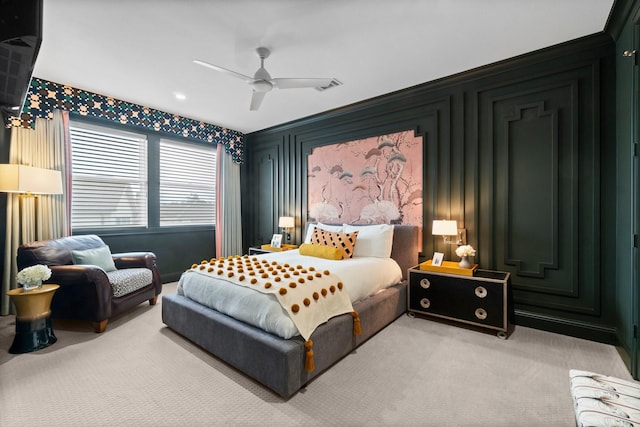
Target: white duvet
362	277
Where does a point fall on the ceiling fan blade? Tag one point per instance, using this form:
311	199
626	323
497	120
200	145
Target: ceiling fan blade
294	83
224	70
256	100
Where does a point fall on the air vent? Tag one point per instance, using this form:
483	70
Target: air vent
334	83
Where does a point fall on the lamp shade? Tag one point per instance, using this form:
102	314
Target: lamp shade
27	179
286	222
444	228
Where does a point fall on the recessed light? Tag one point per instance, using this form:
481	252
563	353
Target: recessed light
180	96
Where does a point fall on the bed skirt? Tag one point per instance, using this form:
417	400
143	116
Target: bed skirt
275	362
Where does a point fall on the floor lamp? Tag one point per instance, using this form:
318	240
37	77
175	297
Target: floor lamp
29	182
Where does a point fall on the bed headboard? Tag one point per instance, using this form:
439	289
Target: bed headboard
405	246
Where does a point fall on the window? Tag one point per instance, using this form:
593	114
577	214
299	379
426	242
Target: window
187	184
109	177
137	179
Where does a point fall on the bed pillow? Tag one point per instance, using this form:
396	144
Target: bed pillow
311	227
373	240
320	251
343	241
97	256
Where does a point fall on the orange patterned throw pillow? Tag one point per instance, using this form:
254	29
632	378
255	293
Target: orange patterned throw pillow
343	241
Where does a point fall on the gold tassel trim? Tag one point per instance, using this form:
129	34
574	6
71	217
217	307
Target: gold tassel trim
357	329
309	364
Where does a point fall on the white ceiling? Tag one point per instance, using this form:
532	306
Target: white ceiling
141	51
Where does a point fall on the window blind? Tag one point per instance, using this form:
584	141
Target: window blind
109	177
187	184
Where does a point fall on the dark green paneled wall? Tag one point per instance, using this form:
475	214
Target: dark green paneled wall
514	151
624	26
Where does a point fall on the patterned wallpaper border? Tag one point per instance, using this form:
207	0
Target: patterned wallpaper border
44	96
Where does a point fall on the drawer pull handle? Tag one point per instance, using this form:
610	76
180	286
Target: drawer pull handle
425	283
481	292
425	303
481	313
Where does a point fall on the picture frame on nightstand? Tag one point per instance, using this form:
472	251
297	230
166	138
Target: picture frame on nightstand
276	240
437	259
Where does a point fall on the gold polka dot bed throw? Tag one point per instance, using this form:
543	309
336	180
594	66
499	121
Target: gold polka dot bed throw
309	296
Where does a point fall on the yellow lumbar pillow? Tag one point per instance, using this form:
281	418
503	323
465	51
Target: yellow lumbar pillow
320	251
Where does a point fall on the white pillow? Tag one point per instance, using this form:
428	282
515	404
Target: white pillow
373	240
311	227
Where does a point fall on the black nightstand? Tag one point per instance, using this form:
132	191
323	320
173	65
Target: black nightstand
480	300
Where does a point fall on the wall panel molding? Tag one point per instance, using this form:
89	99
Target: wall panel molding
538	193
536	141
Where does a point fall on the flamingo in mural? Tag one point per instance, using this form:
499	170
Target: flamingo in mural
379	210
325	211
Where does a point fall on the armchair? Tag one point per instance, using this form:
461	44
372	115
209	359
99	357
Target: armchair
91	292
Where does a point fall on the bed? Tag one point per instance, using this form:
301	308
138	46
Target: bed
279	363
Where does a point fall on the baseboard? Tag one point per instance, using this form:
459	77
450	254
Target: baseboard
173	276
574	328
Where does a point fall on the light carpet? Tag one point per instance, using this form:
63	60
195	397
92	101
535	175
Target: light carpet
415	372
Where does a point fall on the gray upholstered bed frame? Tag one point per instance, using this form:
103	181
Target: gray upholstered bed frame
279	363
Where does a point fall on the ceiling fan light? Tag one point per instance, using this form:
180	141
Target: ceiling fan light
262	86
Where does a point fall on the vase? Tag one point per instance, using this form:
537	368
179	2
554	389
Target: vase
464	262
30	286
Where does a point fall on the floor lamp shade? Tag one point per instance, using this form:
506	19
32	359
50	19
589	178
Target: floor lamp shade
30	180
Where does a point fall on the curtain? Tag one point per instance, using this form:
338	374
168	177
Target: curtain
228	212
46	146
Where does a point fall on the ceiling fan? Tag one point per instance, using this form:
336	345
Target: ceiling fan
263	83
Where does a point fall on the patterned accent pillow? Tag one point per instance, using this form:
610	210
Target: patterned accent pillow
346	242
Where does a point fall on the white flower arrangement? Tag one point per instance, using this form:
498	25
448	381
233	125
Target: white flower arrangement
33	276
465	250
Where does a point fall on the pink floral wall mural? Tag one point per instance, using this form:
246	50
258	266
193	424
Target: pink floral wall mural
368	181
